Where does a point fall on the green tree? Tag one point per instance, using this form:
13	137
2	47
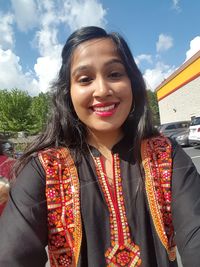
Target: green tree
153	102
40	110
15	110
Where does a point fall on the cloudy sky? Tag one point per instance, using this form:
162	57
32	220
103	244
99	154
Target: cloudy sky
162	35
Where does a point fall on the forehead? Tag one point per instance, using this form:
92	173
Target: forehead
94	50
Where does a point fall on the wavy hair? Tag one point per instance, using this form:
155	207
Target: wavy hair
64	128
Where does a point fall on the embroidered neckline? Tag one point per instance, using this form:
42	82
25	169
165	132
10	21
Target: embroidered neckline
122	252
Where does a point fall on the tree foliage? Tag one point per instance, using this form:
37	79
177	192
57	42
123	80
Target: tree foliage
14	110
21	112
153	102
40	109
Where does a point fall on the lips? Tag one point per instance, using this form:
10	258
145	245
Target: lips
104	109
107	108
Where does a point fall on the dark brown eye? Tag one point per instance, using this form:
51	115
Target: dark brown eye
115	74
84	80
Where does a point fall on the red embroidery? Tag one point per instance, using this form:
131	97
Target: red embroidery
157	162
123	252
64	220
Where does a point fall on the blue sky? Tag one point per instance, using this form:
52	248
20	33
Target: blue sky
161	34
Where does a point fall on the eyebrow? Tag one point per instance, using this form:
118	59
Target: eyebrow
86	67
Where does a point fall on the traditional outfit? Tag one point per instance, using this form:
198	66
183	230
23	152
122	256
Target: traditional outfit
88	223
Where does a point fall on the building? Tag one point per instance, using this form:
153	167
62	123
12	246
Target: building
179	95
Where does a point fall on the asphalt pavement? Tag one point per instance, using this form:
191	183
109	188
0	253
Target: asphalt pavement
194	153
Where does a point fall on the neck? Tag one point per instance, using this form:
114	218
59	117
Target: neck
104	141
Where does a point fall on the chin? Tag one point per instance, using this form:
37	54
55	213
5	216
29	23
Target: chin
106	129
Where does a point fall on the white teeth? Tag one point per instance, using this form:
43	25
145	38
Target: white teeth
104	108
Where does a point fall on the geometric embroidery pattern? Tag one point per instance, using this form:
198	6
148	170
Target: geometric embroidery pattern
64	220
157	162
63	203
122	252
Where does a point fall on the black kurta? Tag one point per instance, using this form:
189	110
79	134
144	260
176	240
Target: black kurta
23	226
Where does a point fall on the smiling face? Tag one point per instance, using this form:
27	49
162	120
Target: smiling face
100	87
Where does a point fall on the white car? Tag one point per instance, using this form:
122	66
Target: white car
194	133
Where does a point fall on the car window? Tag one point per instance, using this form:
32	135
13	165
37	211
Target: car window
170	127
183	125
195	121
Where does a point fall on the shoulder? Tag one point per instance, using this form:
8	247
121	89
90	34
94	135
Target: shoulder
49	158
29	185
53	152
156	144
32	170
158	140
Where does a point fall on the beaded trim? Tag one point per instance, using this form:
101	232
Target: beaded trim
157	161
64	219
122	252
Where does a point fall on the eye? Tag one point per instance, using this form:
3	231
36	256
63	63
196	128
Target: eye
115	74
84	80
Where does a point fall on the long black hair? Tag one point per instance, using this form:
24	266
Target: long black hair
1	148
64	128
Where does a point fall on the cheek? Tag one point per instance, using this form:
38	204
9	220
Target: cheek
128	95
126	88
80	97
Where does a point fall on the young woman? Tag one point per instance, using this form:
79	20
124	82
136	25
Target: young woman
100	186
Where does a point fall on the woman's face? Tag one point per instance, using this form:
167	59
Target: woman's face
100	87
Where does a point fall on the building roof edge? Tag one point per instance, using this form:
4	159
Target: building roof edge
180	69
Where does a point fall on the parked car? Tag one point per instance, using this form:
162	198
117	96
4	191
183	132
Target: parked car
194	133
182	137
173	128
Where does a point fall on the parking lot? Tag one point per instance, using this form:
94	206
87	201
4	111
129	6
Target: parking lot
194	153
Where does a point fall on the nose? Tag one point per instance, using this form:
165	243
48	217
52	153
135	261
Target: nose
102	88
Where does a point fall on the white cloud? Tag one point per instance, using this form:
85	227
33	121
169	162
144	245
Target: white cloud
26	14
156	75
12	75
194	47
84	13
75	14
164	42
6	31
143	57
47	16
47	65
46	70
47	41
161	71
175	5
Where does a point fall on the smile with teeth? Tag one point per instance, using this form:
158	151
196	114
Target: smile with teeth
102	109
105	110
